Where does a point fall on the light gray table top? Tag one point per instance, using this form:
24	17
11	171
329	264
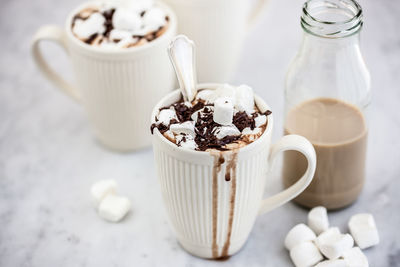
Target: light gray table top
49	159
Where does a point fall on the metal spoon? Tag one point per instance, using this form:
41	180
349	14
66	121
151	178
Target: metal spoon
182	55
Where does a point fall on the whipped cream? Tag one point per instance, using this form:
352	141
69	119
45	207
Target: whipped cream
222	119
120	24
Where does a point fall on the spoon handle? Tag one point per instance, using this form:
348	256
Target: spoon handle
182	55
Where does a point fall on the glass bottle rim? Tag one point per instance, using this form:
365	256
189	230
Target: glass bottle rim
330	28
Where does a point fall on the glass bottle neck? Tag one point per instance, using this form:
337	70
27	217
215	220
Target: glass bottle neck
311	41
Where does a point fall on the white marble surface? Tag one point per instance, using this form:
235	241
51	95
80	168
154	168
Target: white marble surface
48	158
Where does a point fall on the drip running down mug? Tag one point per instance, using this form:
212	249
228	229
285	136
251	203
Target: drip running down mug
218	28
118	88
212	217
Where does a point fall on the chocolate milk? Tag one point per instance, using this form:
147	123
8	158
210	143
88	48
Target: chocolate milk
339	134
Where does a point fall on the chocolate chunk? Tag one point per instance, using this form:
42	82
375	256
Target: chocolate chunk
241	120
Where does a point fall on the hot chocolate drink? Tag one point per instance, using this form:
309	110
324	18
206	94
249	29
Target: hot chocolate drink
119	26
339	134
221	119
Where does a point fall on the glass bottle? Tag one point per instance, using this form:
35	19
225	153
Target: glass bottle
327	93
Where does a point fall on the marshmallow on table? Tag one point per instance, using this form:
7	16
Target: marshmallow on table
363	229
166	115
305	254
299	234
101	189
186	127
332	263
355	258
327	235
244	99
223	111
334	246
113	208
125	19
318	220
223	131
92	25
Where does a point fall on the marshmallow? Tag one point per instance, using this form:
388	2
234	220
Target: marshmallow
226	91
336	245
305	254
116	34
318	220
298	234
363	229
206	95
327	235
101	189
154	18
127	41
127	20
166	115
332	263
185	141
355	258
113	208
92	25
140	5
260	120
186	127
249	131
223	111
201	112
223	131
244	99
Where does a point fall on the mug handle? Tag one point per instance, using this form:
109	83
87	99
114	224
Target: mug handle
297	143
256	13
55	34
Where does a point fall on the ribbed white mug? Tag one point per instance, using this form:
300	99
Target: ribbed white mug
218	28
118	88
212	205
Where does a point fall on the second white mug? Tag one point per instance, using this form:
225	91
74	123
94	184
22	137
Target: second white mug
118	88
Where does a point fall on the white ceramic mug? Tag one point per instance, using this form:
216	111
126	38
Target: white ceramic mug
212	217
218	28
118	88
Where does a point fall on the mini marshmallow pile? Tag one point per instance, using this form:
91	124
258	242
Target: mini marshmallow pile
109	205
120	24
322	246
221	116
